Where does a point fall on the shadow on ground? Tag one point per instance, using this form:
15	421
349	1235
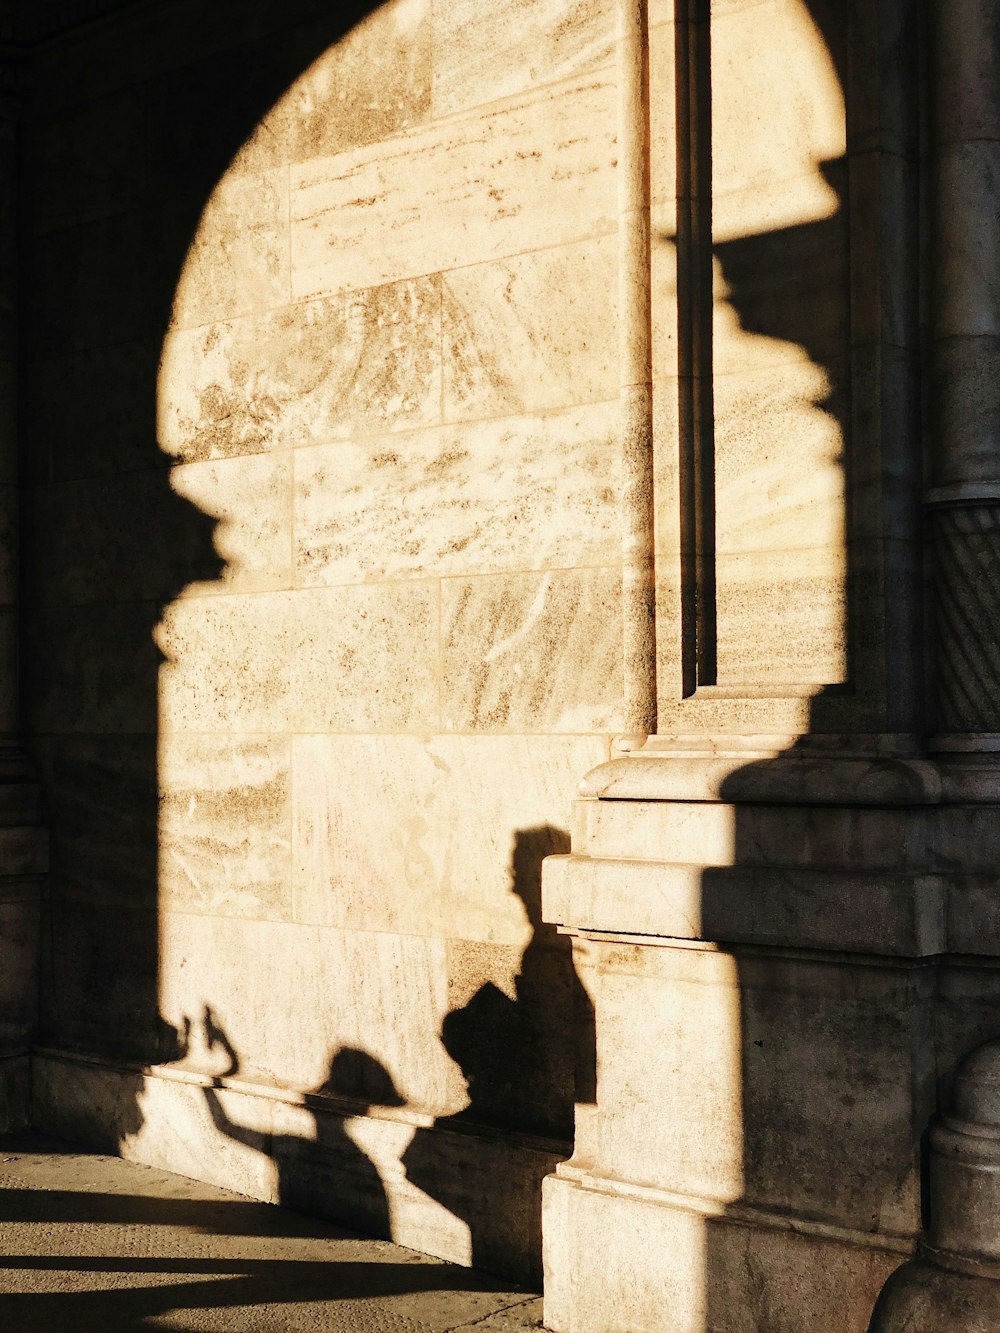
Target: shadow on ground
91	1242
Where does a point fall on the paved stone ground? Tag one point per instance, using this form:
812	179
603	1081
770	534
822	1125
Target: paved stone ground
94	1243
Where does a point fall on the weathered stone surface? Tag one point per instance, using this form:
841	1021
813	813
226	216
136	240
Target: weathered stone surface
479	499
356	364
550	654
523	335
526	44
327	341
432	836
552	173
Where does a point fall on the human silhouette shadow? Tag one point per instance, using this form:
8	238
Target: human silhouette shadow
326	1174
526	1059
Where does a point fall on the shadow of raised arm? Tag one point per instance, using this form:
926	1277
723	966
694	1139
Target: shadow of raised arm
216	1036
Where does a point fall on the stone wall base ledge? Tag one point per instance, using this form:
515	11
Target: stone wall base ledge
697	1267
160	1116
792	777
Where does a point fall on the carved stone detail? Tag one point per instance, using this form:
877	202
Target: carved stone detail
966	547
953	1285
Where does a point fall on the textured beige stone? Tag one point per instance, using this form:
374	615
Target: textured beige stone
778	462
367	508
590	1240
290	996
662	118
423	836
250	500
520	493
365	659
210	680
771	73
373	82
338	659
709	833
547	654
238	260
224	831
360	363
357	220
526	43
680	1127
782	617
663	283
525	335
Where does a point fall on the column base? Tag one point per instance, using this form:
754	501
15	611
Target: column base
781	958
923	1296
625	1259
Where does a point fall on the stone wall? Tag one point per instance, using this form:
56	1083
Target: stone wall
324	583
345	339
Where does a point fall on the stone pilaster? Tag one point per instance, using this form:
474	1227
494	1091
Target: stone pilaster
755	895
964	499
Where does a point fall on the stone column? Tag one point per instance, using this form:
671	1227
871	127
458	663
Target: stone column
952	1286
964	499
752	894
23	848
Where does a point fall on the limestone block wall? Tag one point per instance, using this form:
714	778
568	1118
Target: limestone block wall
323	587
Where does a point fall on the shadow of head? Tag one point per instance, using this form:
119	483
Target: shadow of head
779	281
356	1074
531	847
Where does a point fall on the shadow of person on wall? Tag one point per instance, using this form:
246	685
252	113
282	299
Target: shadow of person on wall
521	1064
327	1173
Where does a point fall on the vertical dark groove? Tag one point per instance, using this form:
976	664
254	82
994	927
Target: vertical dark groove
696	412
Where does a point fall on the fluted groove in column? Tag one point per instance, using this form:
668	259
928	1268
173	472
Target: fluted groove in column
967	587
636	390
695	313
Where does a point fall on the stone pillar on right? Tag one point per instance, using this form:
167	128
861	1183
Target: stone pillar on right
953	1284
964	496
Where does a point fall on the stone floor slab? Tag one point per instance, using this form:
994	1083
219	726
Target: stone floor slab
89	1242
